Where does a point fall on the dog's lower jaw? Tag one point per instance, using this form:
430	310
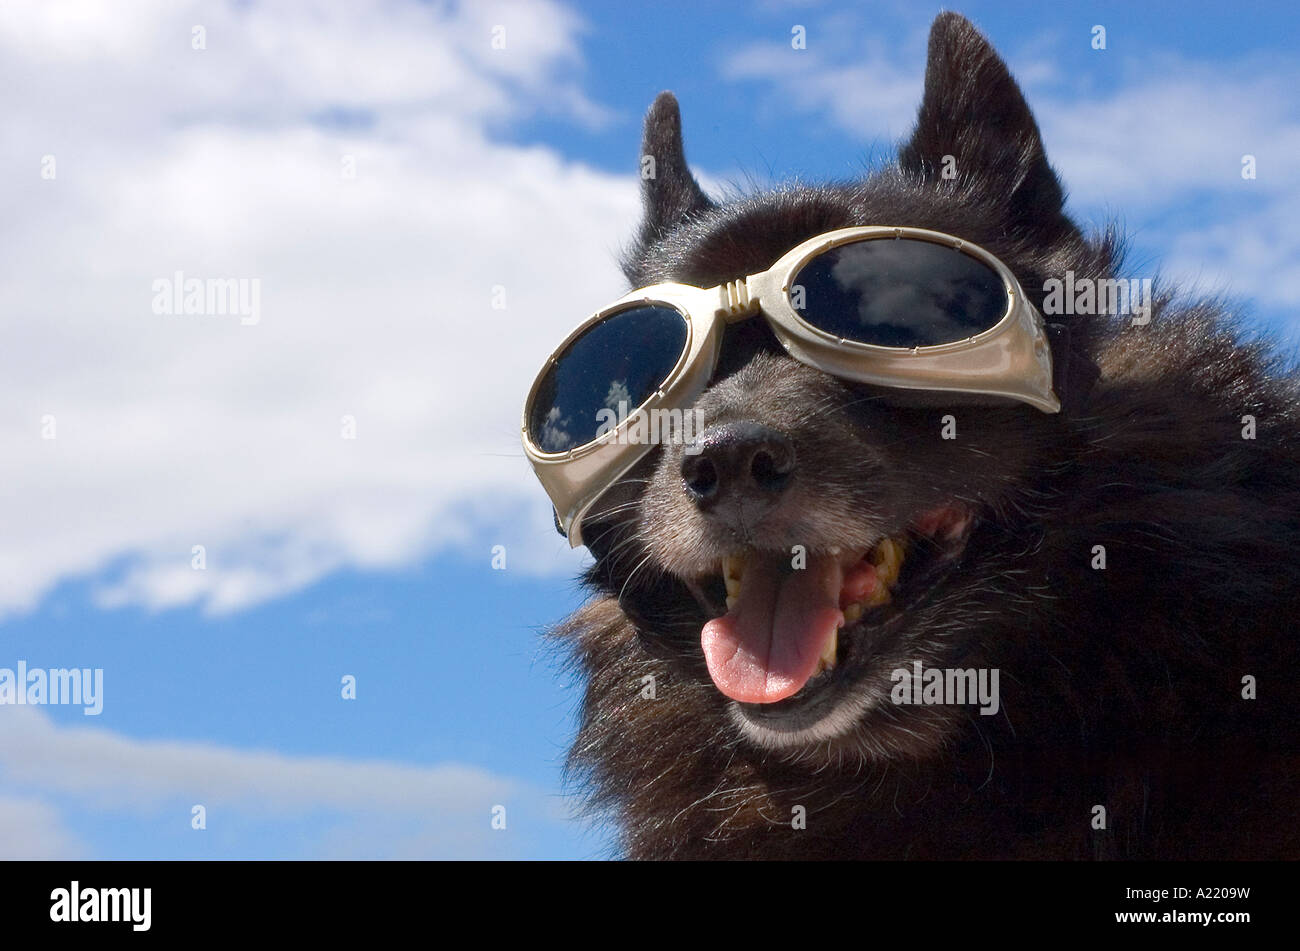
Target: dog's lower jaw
857	725
805	734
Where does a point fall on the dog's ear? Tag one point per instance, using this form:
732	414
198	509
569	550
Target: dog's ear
669	191
975	132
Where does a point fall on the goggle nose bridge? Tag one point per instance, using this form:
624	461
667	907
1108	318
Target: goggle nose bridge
736	301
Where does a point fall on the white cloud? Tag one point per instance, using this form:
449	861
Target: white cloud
1254	252
33	830
374	808
1184	128
226	162
872	95
114	771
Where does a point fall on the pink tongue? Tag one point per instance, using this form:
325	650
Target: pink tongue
766	647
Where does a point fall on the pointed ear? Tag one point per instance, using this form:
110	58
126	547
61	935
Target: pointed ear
974	112
669	192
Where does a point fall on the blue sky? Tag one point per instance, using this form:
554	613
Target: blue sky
472	170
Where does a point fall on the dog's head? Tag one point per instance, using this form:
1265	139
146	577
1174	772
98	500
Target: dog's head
807	498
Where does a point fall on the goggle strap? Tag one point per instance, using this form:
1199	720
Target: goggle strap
1059	329
1071	364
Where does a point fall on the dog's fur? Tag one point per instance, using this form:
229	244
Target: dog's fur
1120	688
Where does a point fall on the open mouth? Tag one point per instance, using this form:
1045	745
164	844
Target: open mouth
787	630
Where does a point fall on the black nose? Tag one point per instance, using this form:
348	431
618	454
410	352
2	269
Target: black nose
737	460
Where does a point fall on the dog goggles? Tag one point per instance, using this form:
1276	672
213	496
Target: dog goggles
898	307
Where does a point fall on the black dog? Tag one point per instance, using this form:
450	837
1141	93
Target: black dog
1126	568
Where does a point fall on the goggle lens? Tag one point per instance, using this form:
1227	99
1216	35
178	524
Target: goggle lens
898	292
623	358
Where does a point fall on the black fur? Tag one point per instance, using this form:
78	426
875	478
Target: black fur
1120	687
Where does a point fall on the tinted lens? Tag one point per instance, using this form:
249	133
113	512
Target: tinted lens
622	359
899	292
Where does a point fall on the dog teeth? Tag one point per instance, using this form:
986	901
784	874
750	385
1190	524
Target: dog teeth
827	659
733	570
876	598
887	557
